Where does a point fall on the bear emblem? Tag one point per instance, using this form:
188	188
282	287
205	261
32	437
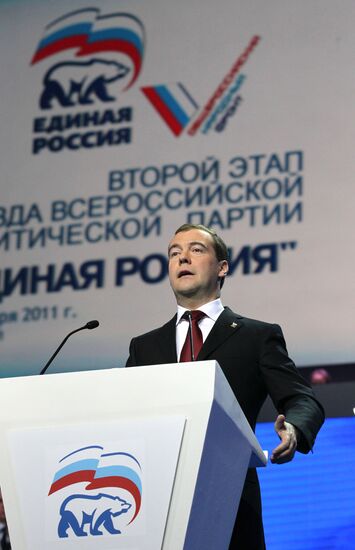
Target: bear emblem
93	511
71	83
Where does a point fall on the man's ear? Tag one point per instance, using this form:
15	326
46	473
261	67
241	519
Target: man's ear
224	268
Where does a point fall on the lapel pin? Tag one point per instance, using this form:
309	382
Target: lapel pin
233	325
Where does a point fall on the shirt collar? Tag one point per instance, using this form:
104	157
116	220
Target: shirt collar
211	309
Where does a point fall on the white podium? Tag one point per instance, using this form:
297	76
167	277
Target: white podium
145	458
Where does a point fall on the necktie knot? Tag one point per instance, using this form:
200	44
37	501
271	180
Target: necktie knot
196	315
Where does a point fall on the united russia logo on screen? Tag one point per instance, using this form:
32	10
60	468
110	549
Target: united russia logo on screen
100	492
85	60
103	55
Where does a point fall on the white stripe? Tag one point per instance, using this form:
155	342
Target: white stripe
83	17
118	460
118	21
182	99
82	455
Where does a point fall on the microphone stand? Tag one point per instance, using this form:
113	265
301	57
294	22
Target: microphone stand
90	325
189	316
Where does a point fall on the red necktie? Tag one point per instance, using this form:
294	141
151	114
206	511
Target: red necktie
197	340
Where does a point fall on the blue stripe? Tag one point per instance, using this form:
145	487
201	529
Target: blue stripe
119	471
88	464
72	30
123	454
171	102
117	34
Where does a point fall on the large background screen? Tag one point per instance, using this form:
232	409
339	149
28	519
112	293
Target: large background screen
122	120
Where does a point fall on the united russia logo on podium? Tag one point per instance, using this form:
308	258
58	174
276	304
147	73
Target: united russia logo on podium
100	492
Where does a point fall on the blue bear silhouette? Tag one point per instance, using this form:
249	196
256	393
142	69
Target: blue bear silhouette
75	82
95	511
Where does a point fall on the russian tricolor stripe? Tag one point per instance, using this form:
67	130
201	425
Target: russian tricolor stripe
90	33
99	470
174	104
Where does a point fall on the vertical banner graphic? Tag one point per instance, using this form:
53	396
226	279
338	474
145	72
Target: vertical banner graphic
120	121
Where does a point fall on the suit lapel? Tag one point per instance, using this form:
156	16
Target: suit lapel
226	325
167	342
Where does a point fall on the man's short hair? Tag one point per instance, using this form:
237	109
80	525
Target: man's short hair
219	245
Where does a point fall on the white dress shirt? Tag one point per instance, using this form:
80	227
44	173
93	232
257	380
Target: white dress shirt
212	310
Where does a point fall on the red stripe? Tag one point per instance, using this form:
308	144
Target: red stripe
70	479
163	110
122	483
58	46
115	46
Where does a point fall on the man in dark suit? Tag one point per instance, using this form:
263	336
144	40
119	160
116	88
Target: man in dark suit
4	533
252	355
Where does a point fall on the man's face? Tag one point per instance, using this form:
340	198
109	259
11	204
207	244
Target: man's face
194	269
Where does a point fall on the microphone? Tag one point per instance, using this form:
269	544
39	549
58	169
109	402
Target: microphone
189	318
89	325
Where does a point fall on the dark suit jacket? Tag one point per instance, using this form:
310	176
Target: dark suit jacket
254	359
4	538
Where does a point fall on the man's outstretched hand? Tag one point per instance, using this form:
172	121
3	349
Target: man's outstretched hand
288	435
